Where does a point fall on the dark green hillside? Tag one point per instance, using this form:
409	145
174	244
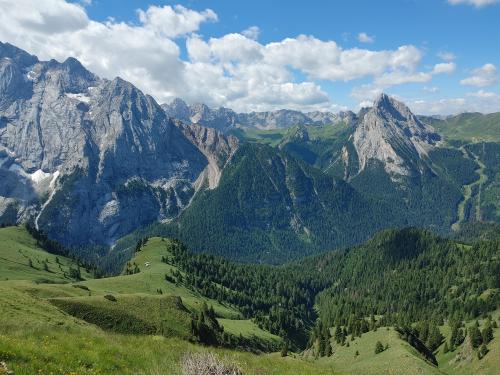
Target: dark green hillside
405	276
425	199
411	275
270	207
486	205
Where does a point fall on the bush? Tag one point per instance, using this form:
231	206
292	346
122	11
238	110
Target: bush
206	364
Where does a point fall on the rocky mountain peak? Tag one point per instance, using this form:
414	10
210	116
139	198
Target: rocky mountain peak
8	51
390	133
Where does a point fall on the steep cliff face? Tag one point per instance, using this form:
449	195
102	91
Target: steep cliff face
216	147
87	159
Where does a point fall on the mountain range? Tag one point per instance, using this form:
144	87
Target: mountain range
96	162
226	119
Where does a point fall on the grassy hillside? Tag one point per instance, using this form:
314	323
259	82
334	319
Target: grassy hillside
464	359
37	337
138	323
151	280
21	258
468	127
360	358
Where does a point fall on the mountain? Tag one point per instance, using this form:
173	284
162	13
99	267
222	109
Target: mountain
226	119
215	146
87	159
391	134
269	207
467	127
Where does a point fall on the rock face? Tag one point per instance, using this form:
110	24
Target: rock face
86	159
390	133
216	147
226	119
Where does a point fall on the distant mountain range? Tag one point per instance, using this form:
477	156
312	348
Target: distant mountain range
96	162
226	119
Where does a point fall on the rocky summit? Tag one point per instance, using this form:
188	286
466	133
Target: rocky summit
390	133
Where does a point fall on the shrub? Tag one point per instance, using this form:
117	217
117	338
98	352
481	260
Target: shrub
206	364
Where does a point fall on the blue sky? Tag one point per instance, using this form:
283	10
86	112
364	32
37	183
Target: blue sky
439	56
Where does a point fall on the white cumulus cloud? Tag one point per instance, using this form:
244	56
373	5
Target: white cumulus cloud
481	77
446	56
174	21
446	68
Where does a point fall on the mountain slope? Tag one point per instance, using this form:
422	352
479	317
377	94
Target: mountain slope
382	171
23	258
270	207
467	127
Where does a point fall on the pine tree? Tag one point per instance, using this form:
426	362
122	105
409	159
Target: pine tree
338	335
475	336
434	337
487	333
284	349
379	348
482	351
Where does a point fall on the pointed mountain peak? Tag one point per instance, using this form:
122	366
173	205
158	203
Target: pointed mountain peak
382	100
389	106
390	133
178	103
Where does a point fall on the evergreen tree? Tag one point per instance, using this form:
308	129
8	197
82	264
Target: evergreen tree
284	349
338	335
476	338
434	338
379	348
482	351
487	333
